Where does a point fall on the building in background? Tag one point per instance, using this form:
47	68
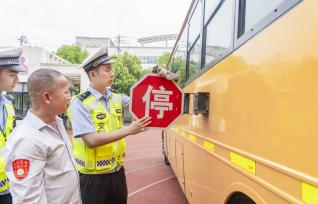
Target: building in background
148	50
87	43
34	58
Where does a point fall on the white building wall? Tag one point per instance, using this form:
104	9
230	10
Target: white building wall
142	51
84	80
38	57
71	71
35	57
86	43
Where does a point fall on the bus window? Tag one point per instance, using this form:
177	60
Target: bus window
209	8
219	32
178	64
195	24
254	11
194	58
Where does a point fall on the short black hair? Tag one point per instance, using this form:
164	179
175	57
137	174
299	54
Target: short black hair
41	80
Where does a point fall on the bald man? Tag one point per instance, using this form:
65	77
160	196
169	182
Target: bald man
40	165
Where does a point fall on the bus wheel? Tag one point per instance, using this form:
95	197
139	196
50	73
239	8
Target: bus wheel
166	160
240	198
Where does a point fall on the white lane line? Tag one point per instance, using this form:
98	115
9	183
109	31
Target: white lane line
147	167
150	185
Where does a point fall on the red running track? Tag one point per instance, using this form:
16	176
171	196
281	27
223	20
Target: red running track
149	180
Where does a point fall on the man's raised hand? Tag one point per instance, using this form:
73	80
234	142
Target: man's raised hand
139	125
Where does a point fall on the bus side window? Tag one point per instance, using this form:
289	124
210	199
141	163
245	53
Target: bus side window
194	41
219	32
178	64
252	12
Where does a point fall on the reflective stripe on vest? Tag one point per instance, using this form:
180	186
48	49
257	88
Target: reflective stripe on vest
4	182
104	158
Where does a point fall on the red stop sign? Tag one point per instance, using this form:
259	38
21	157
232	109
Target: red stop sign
157	97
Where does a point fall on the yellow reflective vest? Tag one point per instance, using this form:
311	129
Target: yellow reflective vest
108	157
4	182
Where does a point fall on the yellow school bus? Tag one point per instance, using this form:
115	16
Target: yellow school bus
249	132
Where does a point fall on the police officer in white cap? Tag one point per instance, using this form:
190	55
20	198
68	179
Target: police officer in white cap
99	145
9	68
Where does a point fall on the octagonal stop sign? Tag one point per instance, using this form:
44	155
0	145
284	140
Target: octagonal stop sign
157	97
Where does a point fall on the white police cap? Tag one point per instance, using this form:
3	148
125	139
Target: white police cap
10	58
97	58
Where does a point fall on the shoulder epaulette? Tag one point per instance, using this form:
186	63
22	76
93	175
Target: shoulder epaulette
84	95
9	97
113	90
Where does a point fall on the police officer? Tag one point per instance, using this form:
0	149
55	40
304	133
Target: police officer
40	164
9	68
99	145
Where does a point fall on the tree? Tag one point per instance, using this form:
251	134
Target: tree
178	65
163	59
72	53
128	71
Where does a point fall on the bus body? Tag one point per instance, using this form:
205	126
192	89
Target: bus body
256	140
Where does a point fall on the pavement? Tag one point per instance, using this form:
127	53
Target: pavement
149	179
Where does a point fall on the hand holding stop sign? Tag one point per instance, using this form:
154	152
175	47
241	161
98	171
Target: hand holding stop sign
165	73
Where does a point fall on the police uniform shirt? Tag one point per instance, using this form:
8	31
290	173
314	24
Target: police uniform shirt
82	122
40	165
3	114
3	117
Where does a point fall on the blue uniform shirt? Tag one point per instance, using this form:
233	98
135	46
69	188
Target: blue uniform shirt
3	117
82	122
3	114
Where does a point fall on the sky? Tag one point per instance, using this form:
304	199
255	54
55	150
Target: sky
52	23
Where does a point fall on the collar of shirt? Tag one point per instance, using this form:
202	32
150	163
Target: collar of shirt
4	99
1	97
2	111
3	115
98	95
37	122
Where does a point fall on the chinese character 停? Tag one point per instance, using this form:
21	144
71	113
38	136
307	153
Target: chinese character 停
160	102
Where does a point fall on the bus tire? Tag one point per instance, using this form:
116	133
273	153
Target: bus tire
166	160
240	198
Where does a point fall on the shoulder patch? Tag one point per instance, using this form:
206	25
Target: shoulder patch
21	168
84	95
